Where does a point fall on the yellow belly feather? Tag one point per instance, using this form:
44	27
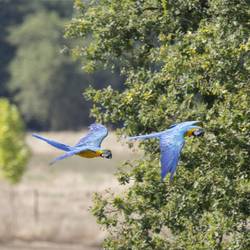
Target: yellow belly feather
90	154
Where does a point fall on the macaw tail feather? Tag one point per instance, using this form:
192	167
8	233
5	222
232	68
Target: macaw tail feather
142	137
53	143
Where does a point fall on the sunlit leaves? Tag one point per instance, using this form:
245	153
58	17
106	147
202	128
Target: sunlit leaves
190	63
13	150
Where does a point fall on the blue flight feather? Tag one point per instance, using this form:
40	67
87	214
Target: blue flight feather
95	136
53	143
170	154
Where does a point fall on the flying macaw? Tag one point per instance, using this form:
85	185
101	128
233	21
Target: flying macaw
88	146
171	143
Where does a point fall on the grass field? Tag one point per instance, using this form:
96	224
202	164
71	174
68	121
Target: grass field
49	209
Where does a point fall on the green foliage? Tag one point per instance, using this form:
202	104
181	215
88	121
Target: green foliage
182	60
13	150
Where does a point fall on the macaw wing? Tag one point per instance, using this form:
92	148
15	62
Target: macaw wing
53	143
170	154
71	153
95	136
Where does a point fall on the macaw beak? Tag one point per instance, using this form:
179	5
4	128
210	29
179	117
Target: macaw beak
109	156
106	154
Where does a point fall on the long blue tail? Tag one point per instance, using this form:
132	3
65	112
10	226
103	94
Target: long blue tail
53	143
142	137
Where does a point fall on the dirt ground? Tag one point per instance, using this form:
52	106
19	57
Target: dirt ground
49	209
45	246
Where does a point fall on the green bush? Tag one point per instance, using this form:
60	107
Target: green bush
182	60
13	150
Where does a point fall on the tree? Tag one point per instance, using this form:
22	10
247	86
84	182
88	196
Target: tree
183	60
13	150
12	13
47	84
7	8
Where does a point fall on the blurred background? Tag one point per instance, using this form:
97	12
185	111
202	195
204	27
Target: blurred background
41	89
37	73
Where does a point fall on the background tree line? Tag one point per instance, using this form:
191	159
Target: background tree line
36	72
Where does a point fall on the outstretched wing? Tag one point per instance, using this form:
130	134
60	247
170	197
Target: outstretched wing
170	154
71	153
53	143
95	136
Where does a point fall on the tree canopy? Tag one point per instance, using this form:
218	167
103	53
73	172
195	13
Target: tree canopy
182	60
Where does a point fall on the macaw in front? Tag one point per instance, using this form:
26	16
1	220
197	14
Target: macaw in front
171	143
88	146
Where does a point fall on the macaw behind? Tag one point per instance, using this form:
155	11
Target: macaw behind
88	146
171	143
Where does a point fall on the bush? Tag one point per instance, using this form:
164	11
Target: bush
13	151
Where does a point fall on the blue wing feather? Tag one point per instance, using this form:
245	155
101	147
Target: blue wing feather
53	143
170	154
95	136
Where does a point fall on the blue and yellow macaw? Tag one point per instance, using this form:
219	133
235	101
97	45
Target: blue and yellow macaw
88	146
171	143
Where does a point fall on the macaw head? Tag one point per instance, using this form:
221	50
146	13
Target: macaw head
106	153
188	129
195	131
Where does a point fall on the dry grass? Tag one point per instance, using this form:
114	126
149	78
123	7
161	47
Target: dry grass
51	204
